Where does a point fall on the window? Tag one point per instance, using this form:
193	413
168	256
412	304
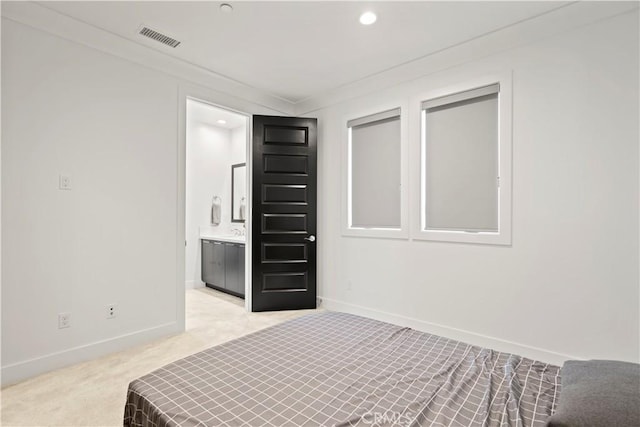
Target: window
374	176
465	166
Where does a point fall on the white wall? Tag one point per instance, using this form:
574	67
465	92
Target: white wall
238	145
210	152
112	125
568	285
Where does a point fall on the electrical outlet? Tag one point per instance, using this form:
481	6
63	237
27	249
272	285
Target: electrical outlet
111	311
64	320
65	182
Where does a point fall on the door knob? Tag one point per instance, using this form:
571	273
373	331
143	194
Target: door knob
311	238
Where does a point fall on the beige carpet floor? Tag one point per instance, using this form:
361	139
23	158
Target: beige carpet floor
93	393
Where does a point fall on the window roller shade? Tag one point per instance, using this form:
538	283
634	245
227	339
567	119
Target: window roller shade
384	115
461	96
460	161
375	176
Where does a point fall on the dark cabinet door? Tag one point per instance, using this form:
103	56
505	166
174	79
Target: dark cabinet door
241	274
208	262
218	273
232	277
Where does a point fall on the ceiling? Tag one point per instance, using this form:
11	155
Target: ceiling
297	50
210	115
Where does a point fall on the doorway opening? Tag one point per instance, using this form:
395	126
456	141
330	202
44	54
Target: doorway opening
217	199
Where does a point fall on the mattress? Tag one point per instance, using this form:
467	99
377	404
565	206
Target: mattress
337	369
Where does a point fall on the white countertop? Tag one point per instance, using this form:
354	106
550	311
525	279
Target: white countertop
224	238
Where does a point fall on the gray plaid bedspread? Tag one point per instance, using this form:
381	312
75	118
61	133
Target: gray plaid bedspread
336	369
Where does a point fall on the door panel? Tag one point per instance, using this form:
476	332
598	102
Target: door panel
284	224
284	252
296	194
286	135
285	282
293	165
284	213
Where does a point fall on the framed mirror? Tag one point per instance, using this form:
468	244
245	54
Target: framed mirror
238	192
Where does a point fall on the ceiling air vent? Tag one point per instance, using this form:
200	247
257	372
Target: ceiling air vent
159	37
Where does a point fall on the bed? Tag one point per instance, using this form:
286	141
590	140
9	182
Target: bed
337	369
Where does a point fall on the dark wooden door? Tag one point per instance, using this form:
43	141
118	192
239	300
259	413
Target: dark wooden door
284	213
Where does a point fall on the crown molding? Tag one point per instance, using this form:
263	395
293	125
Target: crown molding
565	18
44	19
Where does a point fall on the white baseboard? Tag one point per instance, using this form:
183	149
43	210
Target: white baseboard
473	338
193	284
20	371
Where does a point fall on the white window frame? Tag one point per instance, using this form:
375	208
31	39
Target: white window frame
347	230
505	102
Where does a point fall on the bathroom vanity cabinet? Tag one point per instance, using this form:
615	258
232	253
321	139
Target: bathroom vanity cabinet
223	266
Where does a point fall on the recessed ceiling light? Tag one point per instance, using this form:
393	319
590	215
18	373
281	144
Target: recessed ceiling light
222	122
226	8
368	18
